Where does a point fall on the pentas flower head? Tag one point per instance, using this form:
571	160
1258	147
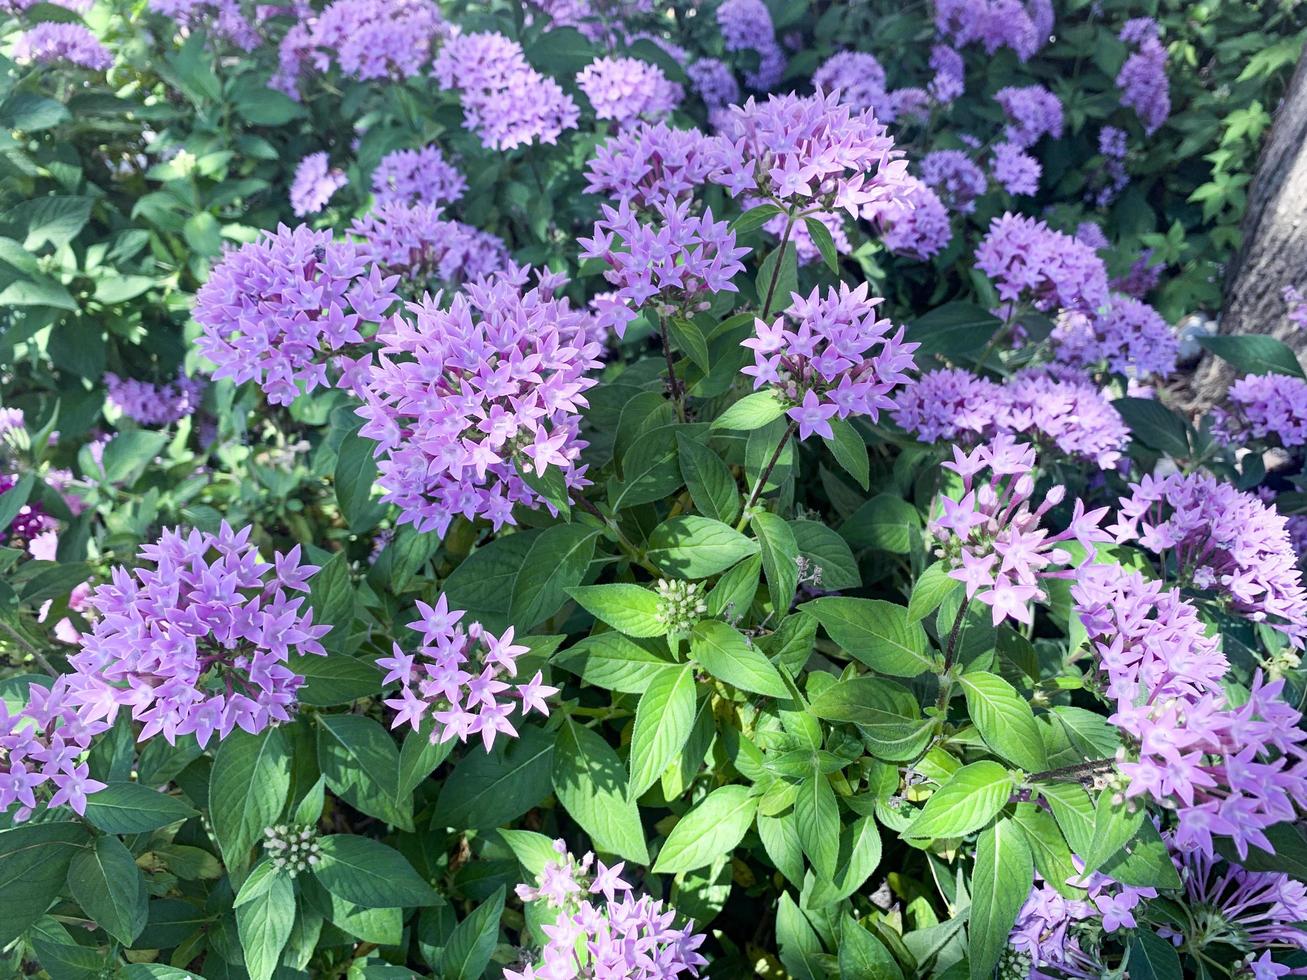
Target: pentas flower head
1028	261
151	404
417	177
648	163
461	679
314	184
1032	111
626	90
1015	170
466	399
746	25
41	750
419	244
917	224
1296	305
950	70
955	177
275	310
676	260
1023	27
1127	336
828	356
199	642
1142	79
54	43
505	101
595	933
808	152
714	82
598	20
1266	407
31	520
856	76
1220	539
1110	178
223	19
993	539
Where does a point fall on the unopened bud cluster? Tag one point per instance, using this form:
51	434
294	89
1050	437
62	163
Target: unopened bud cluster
682	605
292	849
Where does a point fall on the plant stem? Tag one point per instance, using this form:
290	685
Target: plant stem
1076	770
780	261
34	653
630	550
946	675
766	472
673	383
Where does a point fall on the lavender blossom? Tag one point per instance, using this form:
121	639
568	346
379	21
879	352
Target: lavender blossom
52	43
648	163
955	178
1142	79
1033	263
417	177
746	25
151	404
314	184
626	90
417	243
41	748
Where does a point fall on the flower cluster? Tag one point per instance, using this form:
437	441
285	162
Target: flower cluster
198	643
151	404
1142	79
505	101
223	19
458	677
955	178
828	356
626	90
1112	177
293	850
274	310
1032	111
746	25
417	177
1127	335
1015	170
916	225
52	43
1030	261
714	82
680	604
676	260
31	519
1023	27
418	243
41	745
596	934
1221	539
858	78
598	20
993	540
316	181
648	163
808	152
1270	407
1296	305
949	80
467	400
1057	936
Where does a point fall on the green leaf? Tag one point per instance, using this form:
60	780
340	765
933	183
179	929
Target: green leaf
534	851
34	860
1153	958
1155	425
1004	719
470	946
489	789
561	51
53	220
38	291
932	587
107	884
360	763
128	453
953	330
615	662
965	803
31	113
663	720
356	472
336	679
780	558
884	523
247	790
861	954
799	946
1254	354
590	782
331	596
849	451
713	828
130	808
551	485
692	547
735	591
750	412
729	657
817	819
780	839
754	218
264	920
1000	885
557	561
1144	862
368	873
859	854
827	551
778	277
1047	846
709	480
821	237
876	632
1114	826
649	469
1074	812
886	712
690	339
483	582
630	609
14	499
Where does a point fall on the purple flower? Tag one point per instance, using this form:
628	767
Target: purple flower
598	20
223	19
418	243
1023	27
1127	335
917	226
715	83
830	355
955	178
1142	79
275	310
1031	262
857	77
417	177
746	25
505	101
676	260
315	183
1297	306
1015	169
460	678
1054	936
198	643
32	518
648	163
950	71
626	90
1269	407
1110	178
50	43
1032	111
466	401
1141	278
150	404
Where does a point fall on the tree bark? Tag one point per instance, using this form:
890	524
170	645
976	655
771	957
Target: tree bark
1273	253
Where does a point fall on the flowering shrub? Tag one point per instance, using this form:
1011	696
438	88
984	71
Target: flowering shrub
580	488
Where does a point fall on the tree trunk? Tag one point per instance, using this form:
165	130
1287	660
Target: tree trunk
1273	253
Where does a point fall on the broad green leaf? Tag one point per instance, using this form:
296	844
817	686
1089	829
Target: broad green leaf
827	552
560	51
692	547
778	277
1153	958
130	808
931	588
34	860
366	872
817	819
629	609
727	655
470	946
1154	425
649	469
859	854
483	583
14	499
965	803
876	632
489	789
1074	812
50	220
780	558
356	471
557	561
247	790
714	827
129	453
861	954
1144	862
709	480
1000	884
331	596
750	412
663	720
883	523
690	339
360	762
821	237
1004	719
886	712
1114	826
1254	354
954	329
735	591
799	945
1047	845
780	839
754	218
615	662
590	782
107	884
534	851
849	451
264	922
